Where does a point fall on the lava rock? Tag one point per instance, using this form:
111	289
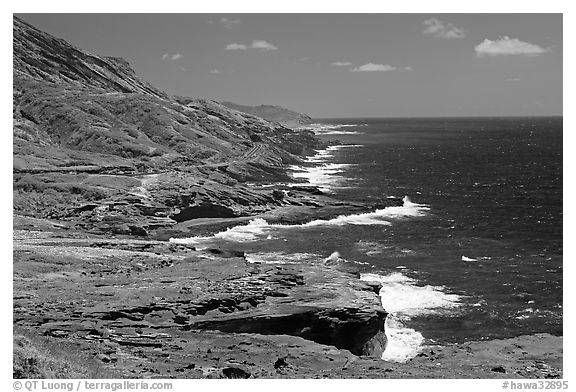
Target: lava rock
499	369
280	363
235	372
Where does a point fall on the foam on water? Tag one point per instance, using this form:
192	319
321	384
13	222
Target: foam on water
367	219
253	231
378	217
320	156
258	229
402	298
340	146
279	257
332	129
371	248
401	295
335	257
324	175
402	343
337	132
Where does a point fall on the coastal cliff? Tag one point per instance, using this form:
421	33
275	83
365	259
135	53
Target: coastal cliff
92	144
104	163
107	168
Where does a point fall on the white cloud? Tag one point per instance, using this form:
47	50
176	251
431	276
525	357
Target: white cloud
454	32
256	44
236	47
214	71
371	67
172	57
341	63
408	69
229	23
263	45
441	29
508	46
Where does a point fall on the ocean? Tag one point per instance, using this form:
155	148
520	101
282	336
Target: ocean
474	253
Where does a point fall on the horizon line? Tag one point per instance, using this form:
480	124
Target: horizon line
447	116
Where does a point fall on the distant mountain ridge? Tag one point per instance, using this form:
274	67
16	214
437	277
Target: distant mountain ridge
286	117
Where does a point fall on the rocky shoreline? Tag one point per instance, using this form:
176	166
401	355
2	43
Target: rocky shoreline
108	168
147	308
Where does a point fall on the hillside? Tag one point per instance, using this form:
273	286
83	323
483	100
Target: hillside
88	133
67	100
277	114
107	168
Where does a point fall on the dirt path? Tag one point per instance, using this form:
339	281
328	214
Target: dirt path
254	152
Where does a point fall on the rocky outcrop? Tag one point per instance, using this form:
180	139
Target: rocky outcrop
323	305
142	294
143	308
203	210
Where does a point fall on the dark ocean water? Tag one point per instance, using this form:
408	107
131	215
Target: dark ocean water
476	252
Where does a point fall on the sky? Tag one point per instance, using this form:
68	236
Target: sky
338	65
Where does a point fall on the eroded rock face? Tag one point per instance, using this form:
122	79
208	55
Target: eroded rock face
134	295
323	305
212	290
145	308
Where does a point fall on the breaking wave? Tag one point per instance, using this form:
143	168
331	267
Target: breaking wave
400	294
259	229
403	298
280	257
402	343
326	175
322	176
333	129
